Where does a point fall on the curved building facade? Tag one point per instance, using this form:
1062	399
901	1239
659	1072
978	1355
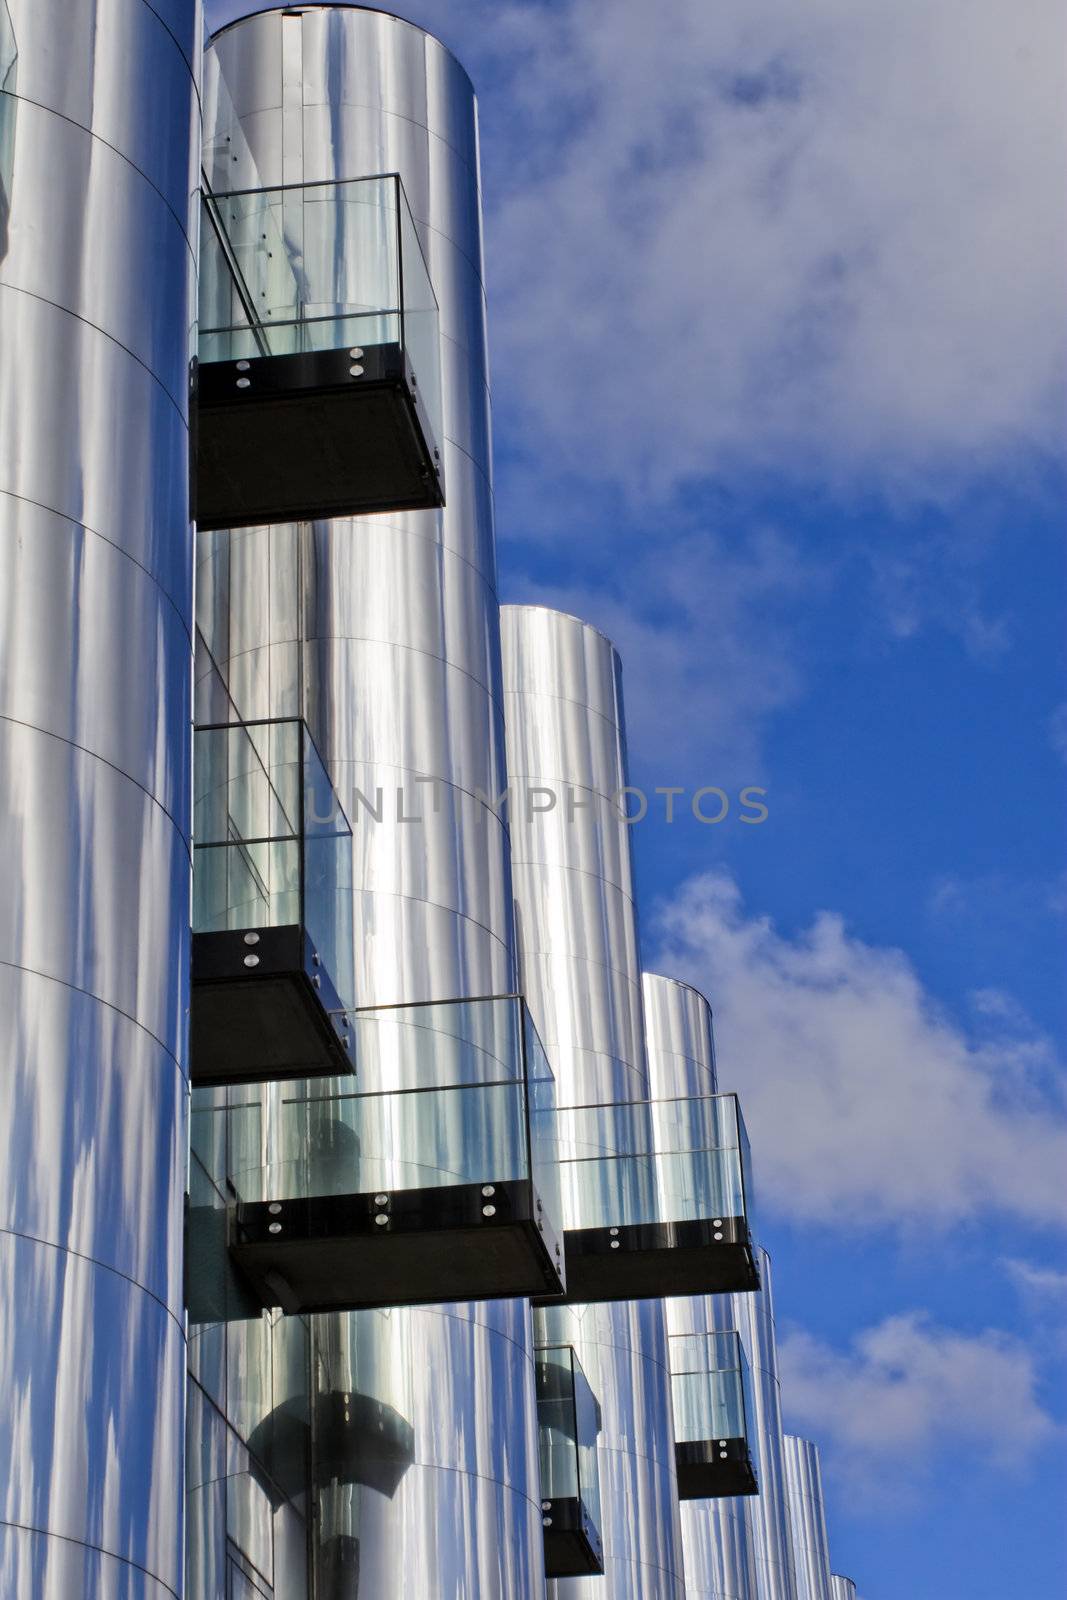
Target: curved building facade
578	936
811	1553
716	1537
97	269
382	632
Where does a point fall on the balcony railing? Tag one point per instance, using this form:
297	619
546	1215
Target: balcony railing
272	907
568	1418
712	1416
656	1199
434	1180
319	382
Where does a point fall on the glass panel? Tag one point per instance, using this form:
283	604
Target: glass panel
568	1418
544	1122
709	1383
557	1424
323	266
417	1139
442	1100
421	330
653	1161
327	873
587	1416
272	845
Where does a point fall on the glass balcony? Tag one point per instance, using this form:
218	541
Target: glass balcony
656	1199
568	1418
318	382
272	907
712	1411
435	1180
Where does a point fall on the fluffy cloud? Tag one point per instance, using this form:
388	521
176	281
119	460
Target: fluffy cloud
824	236
866	1103
905	1392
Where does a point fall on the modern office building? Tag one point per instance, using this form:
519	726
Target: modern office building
371	1224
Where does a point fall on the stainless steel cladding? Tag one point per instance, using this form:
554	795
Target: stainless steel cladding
383	633
581	975
97	148
753	1316
679	1037
716	1536
841	1588
395	659
807	1518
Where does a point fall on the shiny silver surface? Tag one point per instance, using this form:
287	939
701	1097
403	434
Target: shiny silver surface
581	976
383	633
681	1059
841	1588
807	1518
98	108
753	1316
716	1534
396	658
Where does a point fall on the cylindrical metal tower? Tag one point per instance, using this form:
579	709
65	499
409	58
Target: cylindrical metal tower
579	951
807	1518
753	1316
841	1588
383	632
99	138
719	1557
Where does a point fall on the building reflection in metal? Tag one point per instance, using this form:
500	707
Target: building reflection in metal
581	976
807	1518
383	633
681	1057
716	1536
841	1588
96	271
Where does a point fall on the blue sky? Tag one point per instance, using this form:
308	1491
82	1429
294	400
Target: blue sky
778	345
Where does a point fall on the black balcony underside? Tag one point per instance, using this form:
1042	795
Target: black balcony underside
274	1020
331	1253
303	438
655	1260
572	1544
714	1469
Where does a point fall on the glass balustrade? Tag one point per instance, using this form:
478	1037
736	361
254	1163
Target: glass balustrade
657	1197
319	343
430	1177
272	907
712	1408
568	1419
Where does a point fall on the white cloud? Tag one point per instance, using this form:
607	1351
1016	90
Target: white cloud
907	1391
1037	1283
866	1103
826	236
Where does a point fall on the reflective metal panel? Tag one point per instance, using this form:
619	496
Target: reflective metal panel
382	632
841	1588
753	1316
807	1518
97	112
581	976
717	1536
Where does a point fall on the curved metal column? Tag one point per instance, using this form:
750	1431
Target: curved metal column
393	651
383	632
579	949
841	1588
719	1556
753	1317
98	112
807	1518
